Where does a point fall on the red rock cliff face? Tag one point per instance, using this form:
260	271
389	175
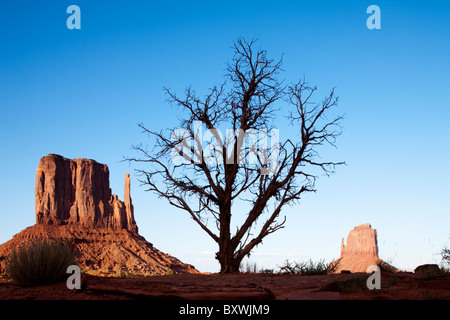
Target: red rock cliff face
362	240
361	250
77	192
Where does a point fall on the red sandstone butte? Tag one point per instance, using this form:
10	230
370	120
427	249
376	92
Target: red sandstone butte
361	250
77	192
74	204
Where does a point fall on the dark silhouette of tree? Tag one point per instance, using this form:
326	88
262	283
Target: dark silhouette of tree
445	252
212	173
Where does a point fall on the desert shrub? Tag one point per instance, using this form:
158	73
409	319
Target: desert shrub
385	267
433	273
309	268
40	262
4	277
252	267
267	271
170	272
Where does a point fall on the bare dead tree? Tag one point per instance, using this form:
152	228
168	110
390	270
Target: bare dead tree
206	189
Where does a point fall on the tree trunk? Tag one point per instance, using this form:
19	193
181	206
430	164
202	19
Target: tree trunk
226	257
228	264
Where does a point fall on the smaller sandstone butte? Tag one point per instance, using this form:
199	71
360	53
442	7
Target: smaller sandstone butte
77	192
361	250
362	240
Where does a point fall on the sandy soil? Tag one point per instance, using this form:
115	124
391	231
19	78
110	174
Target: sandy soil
394	286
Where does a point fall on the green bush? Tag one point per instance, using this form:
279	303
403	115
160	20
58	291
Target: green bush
252	267
170	272
40	262
310	267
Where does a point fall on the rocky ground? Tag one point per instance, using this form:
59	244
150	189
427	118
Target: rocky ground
394	286
101	250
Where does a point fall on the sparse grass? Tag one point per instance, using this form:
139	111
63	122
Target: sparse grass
349	285
309	268
124	274
386	267
305	268
115	274
432	274
40	262
252	267
268	271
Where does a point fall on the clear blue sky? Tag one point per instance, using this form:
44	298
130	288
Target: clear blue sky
80	93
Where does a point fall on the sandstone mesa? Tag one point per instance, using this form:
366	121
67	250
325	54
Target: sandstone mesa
77	192
74	203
